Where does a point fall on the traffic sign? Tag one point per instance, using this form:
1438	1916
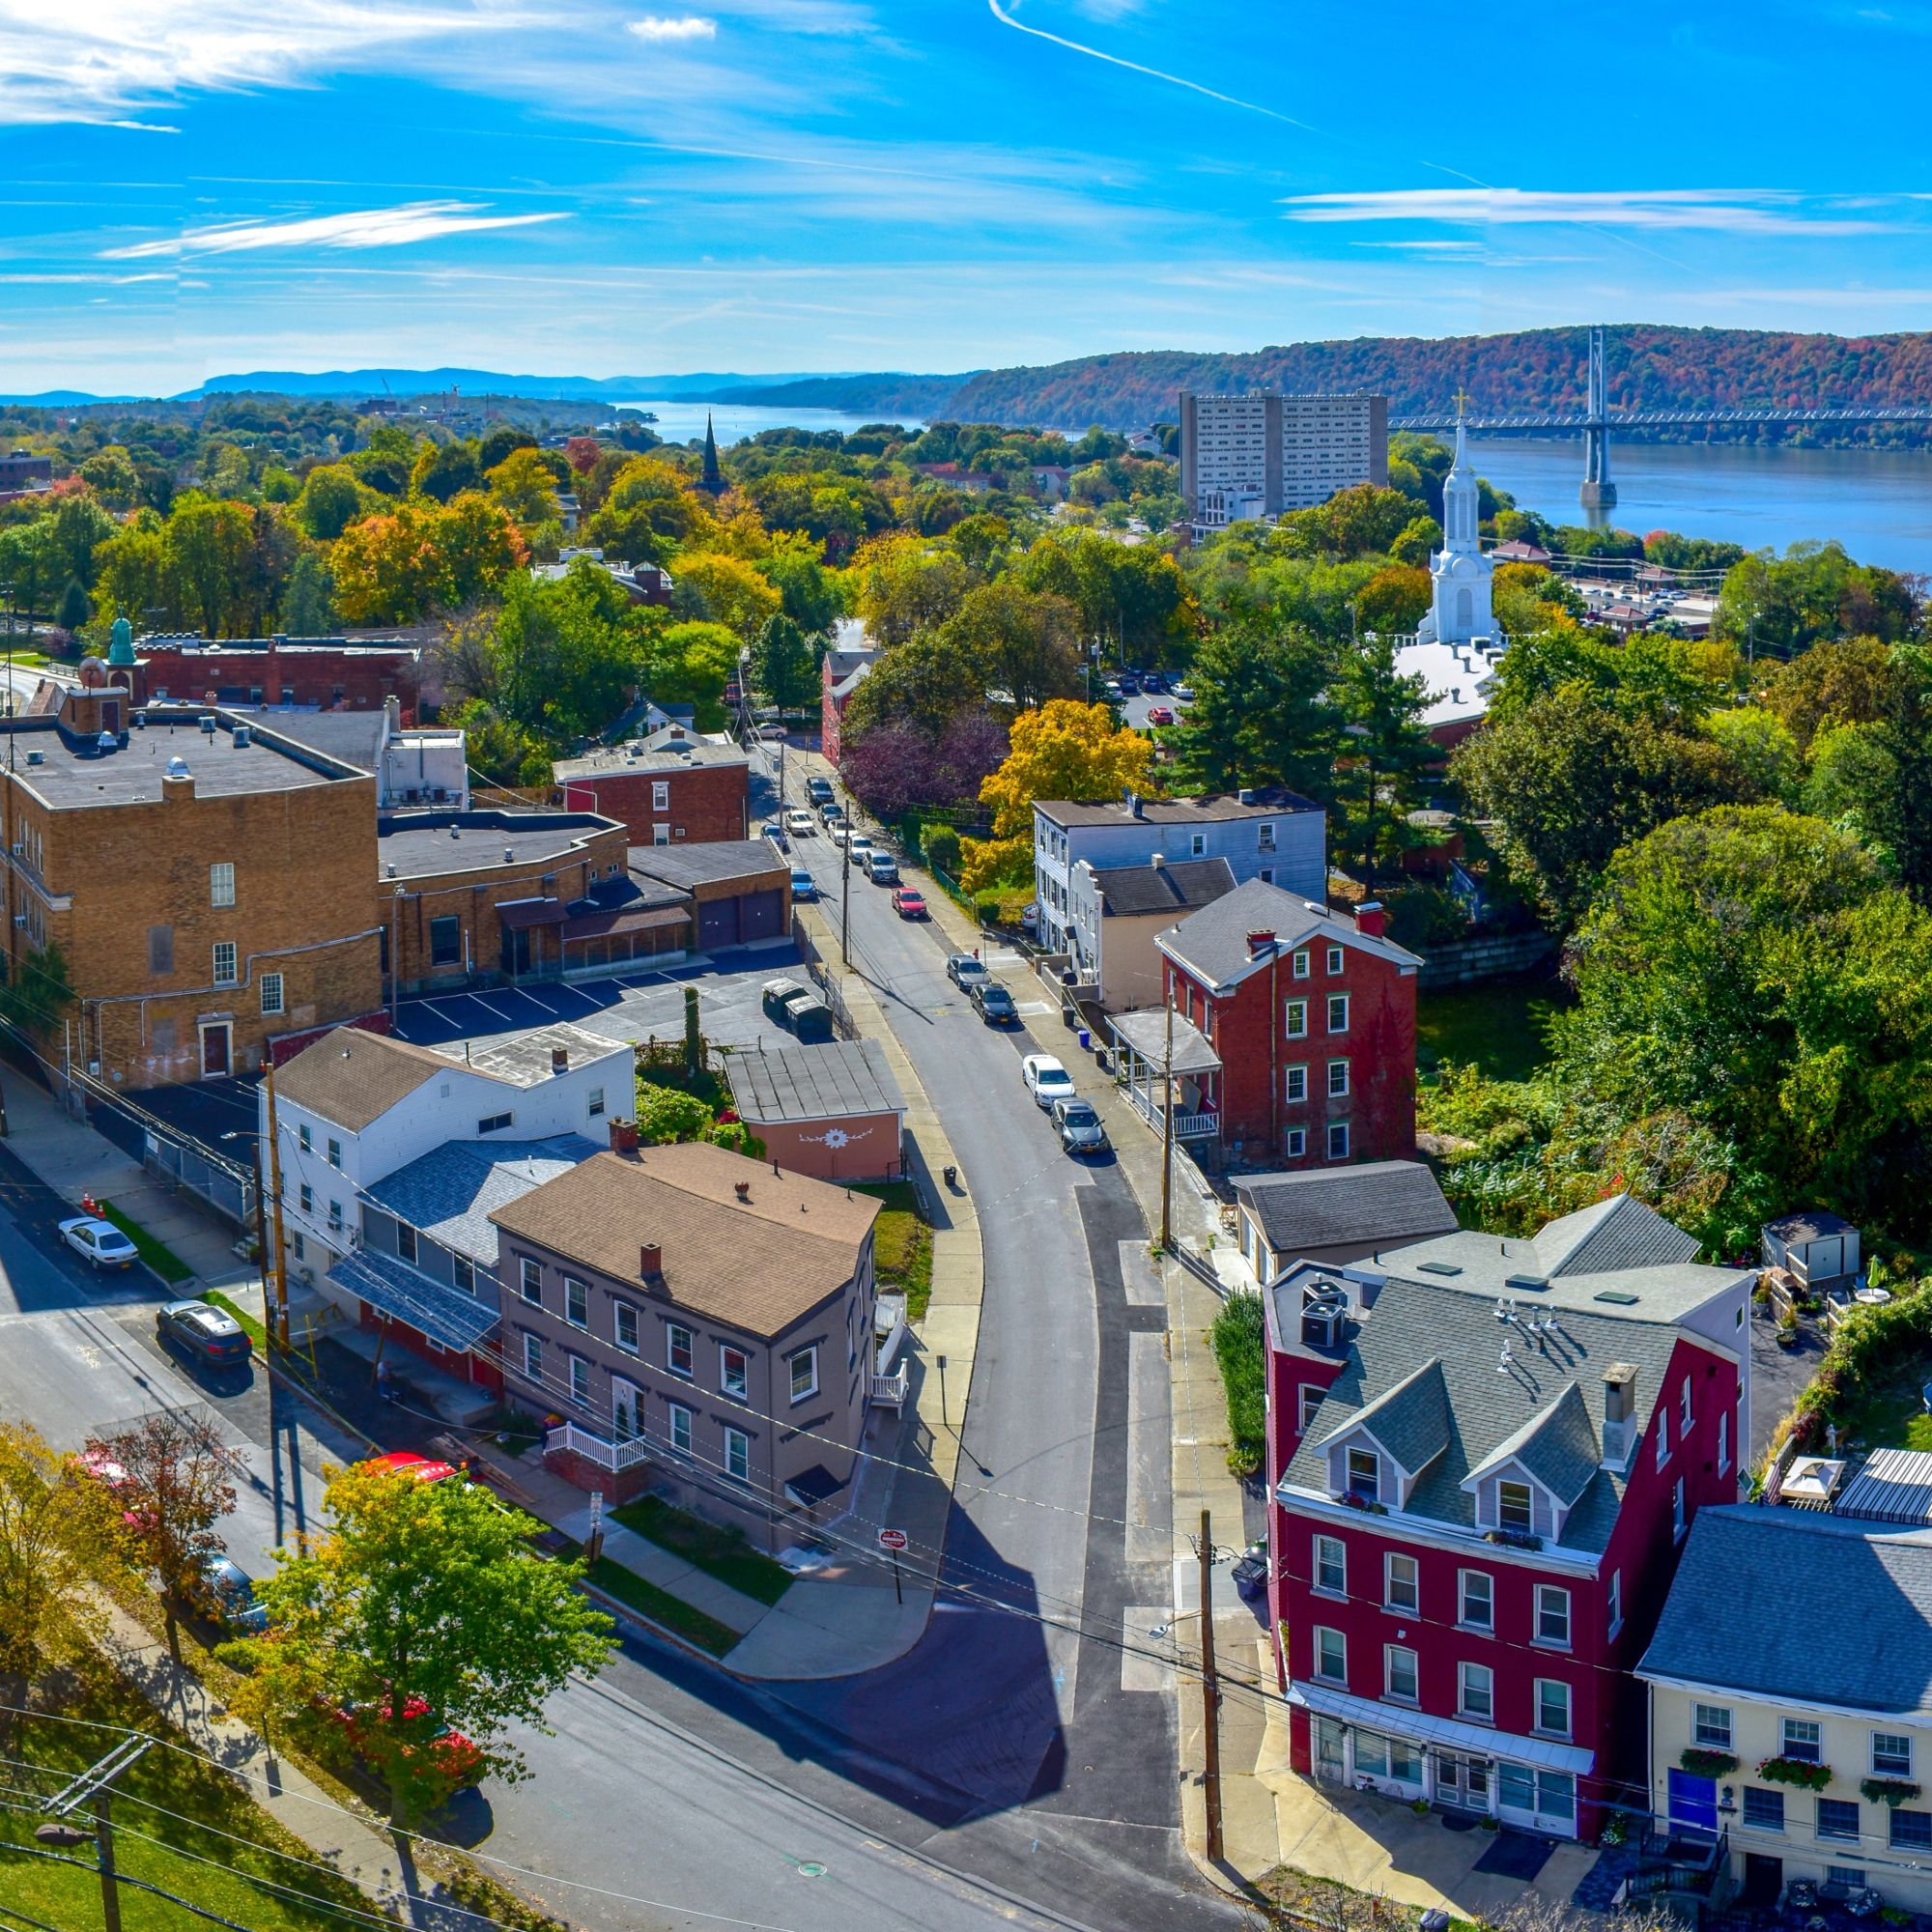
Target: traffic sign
892	1539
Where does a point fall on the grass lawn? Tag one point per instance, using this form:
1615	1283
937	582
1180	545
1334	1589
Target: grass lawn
902	1244
1497	1027
1889	1413
719	1552
190	1859
661	1606
157	1255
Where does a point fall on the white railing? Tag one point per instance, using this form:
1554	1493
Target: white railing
613	1456
1203	1124
891	1390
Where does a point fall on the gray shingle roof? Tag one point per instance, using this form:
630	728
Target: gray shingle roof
1808	1226
1169	886
1743	1610
449	1193
1410	1420
814	1083
706	862
449	1318
1206	809
1559	1447
1619	1232
1381	1200
1214	941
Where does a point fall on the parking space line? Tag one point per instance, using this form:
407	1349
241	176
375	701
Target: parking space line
509	1018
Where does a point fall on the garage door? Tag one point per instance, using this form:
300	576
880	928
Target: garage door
717	923
761	915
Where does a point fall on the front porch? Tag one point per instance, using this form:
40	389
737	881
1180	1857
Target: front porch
1139	1067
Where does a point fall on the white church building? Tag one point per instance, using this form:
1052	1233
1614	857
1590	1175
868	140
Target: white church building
1458	644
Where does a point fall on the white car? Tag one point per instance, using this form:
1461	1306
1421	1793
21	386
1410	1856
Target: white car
100	1242
840	834
1046	1080
800	824
861	848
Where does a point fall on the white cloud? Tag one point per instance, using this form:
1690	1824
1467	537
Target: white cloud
98	60
363	228
1732	210
660	27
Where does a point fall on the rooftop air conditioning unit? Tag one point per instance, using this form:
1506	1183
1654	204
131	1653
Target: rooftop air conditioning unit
1325	1323
207	727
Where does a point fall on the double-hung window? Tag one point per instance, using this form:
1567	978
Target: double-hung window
626	1327
533	1358
1663	1435
1763	1810
1331	1655
734	1371
737	1455
1477	1610
1400	1587
1400	1680
1476	1692
1365	1474
1338	1140
1552	1615
1338	1013
224	964
406	1243
1552	1707
677	1348
1331	1566
1514	1509
529	1278
1838	1818
1334	960
1892	1754
576	1302
1338	1079
1711	1727
1300	965
804	1368
579	1380
271	993
1294	1019
1802	1739
1294	1086
221	883
1910	1831
680	1428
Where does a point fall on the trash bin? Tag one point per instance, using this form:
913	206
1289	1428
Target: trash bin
1085	1040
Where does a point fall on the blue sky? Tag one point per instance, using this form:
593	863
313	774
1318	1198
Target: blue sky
578	186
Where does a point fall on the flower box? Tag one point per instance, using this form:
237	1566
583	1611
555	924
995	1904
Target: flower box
1513	1539
1349	1499
1708	1763
1892	1791
1794	1770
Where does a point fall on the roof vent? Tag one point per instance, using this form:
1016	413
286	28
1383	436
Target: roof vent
743	1189
454	832
1618	1297
1438	1268
241	735
1320	911
208	727
509	855
106	742
392	868
1246	795
40	759
177	767
1526	1281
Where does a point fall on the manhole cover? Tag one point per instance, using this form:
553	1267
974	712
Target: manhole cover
811	1868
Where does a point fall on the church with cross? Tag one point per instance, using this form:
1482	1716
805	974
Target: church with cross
1461	577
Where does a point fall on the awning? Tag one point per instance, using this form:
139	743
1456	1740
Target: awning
624	919
1145	1033
522	913
1478	1739
449	1318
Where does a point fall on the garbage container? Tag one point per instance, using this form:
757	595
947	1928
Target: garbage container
1085	1040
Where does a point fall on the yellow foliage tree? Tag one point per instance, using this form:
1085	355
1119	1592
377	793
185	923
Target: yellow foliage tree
736	595
524	487
1063	750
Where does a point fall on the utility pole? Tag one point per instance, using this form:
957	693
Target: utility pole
282	1325
1211	1695
94	1788
845	887
1167	1130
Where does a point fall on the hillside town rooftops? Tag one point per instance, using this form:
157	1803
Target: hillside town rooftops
1164	884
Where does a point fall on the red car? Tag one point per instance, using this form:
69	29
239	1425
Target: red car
908	905
1160	713
456	1757
404	1462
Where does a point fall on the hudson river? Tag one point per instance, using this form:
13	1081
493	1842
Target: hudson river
1878	503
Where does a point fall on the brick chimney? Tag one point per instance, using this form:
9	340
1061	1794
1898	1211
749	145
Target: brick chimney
1260	943
559	1060
623	1136
1371	920
650	1260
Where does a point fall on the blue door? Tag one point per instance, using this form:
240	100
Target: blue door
1693	1803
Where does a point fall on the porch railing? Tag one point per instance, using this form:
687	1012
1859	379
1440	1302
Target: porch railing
1202	1124
890	1391
613	1456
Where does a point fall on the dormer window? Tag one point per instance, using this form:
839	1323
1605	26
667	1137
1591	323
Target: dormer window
1365	1470
1513	1507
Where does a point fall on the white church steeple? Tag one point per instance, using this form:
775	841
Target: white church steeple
1459	606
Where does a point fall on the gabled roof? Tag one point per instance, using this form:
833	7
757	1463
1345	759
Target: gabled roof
1810	1225
1379	1200
352	1076
1410	1420
1737	1615
1161	886
1213	942
450	1192
1620	1232
1557	1447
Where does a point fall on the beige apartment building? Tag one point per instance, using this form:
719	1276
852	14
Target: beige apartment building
1247	457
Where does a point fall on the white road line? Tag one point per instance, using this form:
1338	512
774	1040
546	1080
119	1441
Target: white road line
511	1019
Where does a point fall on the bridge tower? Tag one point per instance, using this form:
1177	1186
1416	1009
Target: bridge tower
1599	492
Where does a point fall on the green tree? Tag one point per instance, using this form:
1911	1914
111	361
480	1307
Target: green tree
444	470
37	992
423	1606
74	608
498	444
907	586
331	499
78	527
689	664
808	593
1027	643
924	682
784	665
1393	601
1063	750
1382	749
111	476
1261	714
308	598
523	485
1838	681
1761	748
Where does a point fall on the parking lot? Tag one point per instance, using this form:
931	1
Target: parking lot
634	1005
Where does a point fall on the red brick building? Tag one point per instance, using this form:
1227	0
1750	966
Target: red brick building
1293	1031
1483	1458
667	790
840	673
329	673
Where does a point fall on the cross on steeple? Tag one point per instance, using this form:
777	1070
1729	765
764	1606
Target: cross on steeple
1461	402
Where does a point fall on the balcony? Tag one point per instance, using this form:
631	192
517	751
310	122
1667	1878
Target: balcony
890	1391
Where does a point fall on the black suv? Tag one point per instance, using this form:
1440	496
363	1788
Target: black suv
996	1004
209	1334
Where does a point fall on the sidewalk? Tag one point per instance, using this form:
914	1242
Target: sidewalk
72	1159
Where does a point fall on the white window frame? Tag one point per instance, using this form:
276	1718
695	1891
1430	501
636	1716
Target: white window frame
1333	961
1680	1515
304	1139
306	1198
1711	1726
1528	1526
1686	1414
1338	1079
1552	1605
680	1428
406	1243
596	1106
1478	1677
1338	1000
1295	1144
1338	1140
1294	1019
1197	844
1807	1751
1892	1768
1558	1684
1615	1604
1295	1083
1723	1443
660	794
579	1380
271	994
575	1303
624	1328
679	1341
1308	1407
1391	1652
221	883
1486	1622
1319	1657
1330	1550
1663	1435
463	1275
224	964
737	1455
532	1358
1392	1599
809	1357
740	1385
334	1152
530	1280
1374	1492
1299	963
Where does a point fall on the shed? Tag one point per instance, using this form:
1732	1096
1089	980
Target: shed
832	1110
1819	1247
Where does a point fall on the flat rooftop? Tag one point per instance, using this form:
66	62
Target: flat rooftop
528	1058
835	1081
708	862
427	844
637	755
1209	809
67	771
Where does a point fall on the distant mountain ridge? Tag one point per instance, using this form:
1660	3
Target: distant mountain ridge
361	383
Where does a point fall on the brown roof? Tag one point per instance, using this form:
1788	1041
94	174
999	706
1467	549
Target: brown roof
759	1264
352	1076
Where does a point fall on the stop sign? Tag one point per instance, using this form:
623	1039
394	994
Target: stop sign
892	1539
